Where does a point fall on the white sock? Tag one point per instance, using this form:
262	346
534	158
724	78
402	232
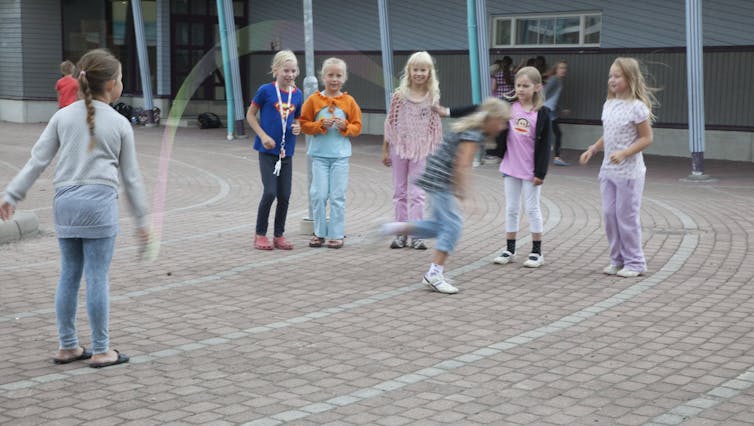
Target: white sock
435	269
393	228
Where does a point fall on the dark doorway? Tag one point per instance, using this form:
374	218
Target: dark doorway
194	32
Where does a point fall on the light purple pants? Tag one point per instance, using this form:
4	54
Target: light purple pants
621	206
408	198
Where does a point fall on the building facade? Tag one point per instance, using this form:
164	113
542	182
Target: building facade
38	34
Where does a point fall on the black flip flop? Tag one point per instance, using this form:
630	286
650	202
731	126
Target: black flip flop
85	354
122	359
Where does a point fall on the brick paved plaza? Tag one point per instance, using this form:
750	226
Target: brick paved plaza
220	333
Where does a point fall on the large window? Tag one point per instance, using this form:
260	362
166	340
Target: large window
89	24
194	33
566	30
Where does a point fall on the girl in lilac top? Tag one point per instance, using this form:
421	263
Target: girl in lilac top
412	132
627	131
526	154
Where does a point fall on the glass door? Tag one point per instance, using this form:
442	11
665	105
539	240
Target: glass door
194	33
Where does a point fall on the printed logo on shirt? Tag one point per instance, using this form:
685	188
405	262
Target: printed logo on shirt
522	126
286	110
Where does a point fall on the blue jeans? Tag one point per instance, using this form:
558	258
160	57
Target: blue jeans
446	223
329	181
92	257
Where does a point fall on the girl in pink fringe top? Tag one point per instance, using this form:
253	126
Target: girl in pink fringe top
412	132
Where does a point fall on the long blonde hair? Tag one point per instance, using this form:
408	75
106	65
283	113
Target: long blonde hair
490	108
637	85
433	84
97	67
532	73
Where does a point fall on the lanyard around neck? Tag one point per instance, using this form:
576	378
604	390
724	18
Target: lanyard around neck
283	121
282	109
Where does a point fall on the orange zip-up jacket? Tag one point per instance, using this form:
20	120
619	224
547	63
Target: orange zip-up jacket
316	102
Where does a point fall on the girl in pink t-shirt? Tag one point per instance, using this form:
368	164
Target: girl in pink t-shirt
526	154
412	132
627	131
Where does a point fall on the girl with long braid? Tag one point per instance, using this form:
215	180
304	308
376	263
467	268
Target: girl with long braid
95	143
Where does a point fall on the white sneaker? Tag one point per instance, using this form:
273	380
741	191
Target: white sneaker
476	163
437	283
612	269
534	261
628	273
505	257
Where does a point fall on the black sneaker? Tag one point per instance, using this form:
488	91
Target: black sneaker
398	242
418	243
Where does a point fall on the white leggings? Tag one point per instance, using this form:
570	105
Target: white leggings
513	188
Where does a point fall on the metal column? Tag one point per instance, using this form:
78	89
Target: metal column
141	47
476	96
483	41
235	71
226	67
695	77
310	86
387	50
310	81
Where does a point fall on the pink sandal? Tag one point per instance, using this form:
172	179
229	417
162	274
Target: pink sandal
335	244
262	243
281	243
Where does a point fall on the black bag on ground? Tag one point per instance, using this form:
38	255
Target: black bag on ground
209	120
124	110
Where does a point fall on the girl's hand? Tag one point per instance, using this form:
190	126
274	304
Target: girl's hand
585	156
143	235
340	123
537	181
327	122
386	159
441	110
617	157
459	192
467	204
296	128
6	211
268	142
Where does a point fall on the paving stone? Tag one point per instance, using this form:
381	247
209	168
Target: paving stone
220	333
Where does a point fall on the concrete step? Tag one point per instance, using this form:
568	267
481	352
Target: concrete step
23	225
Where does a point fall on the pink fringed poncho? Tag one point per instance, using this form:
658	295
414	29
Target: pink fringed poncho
412	129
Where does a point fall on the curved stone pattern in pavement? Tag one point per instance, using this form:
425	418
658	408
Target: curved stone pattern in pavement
221	333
